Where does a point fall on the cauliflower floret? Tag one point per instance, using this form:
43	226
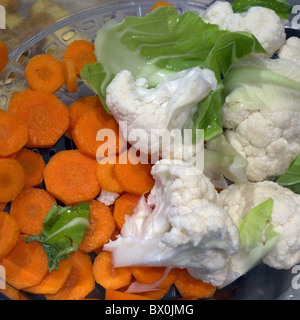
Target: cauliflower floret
270	141
291	50
238	200
180	225
153	111
262	22
108	198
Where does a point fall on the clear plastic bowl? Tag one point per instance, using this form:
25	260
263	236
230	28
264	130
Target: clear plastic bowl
262	282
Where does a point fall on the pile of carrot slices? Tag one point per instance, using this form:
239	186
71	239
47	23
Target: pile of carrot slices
36	118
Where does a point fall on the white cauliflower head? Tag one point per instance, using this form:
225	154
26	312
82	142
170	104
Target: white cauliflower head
262	22
180	225
291	50
261	115
153	110
238	200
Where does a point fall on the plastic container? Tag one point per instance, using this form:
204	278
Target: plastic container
82	22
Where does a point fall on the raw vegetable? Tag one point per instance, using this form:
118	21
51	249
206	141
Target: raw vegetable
26	264
13	133
80	282
33	165
133	176
44	72
54	280
133	45
2	206
190	287
281	7
159	4
71	177
124	205
9	233
12	179
4	56
291	178
106	176
70	75
86	129
46	116
101	227
81	52
257	239
63	230
107	276
30	208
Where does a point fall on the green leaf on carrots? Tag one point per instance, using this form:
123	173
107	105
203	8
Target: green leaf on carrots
281	7
63	231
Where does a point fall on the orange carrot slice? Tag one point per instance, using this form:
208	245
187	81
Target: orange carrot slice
81	106
106	176
101	227
9	234
87	128
54	280
26	264
13	134
71	177
119	295
3	56
134	178
159	4
150	275
30	208
107	276
2	206
81	52
33	165
124	205
80	282
70	75
46	116
12	179
191	287
44	72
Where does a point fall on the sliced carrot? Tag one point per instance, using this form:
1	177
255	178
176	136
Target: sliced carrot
80	282
81	52
44	73
2	206
12	179
87	128
134	178
71	177
12	293
101	227
124	205
9	234
191	287
107	276
3	56
30	208
119	295
70	75
150	275
159	4
106	176
46	116
54	280
13	134
82	105
33	165
26	264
